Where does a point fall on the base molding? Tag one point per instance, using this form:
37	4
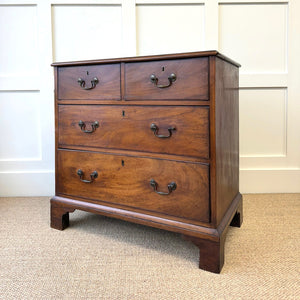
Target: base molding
210	241
27	183
270	181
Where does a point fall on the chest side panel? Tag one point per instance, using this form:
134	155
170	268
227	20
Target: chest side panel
227	135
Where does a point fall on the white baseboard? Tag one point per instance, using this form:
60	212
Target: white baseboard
26	184
270	181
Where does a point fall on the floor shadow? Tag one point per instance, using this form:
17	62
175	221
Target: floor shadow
139	235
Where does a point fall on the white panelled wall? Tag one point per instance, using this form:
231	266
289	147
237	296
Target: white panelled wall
261	35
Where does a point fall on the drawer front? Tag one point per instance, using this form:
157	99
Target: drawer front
136	182
98	82
163	129
167	80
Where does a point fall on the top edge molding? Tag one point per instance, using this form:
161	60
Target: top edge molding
147	58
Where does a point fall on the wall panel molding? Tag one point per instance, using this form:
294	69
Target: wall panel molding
86	31
26	98
267	80
266	44
19	47
157	24
263	122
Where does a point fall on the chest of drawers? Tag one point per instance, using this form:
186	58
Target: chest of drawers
151	140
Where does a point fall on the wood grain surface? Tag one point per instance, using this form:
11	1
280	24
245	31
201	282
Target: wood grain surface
123	127
200	154
126	180
191	80
108	87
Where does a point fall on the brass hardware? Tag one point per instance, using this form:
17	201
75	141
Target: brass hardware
172	77
82	126
93	176
155	129
171	187
94	82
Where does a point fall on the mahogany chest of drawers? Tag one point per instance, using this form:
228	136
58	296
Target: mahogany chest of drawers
151	140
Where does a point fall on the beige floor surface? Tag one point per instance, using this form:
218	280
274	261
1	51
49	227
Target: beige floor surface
103	258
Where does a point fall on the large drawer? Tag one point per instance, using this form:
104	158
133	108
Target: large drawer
185	79
131	181
92	82
179	130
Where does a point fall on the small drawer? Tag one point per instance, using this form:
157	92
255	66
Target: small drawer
166	187
178	130
91	82
181	79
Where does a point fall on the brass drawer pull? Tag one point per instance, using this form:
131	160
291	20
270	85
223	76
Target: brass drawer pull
82	126
93	176
94	82
155	129
171	187
172	77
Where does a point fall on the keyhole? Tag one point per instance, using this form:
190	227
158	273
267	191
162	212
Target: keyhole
123	113
163	68
87	72
123	162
